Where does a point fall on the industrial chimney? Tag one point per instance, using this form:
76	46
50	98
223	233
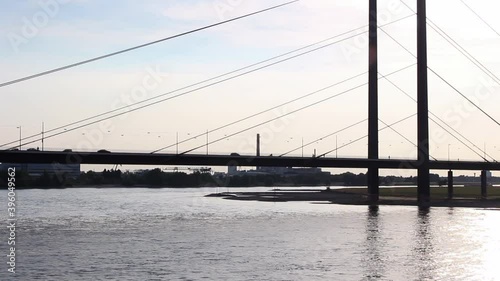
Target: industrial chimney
258	144
258	148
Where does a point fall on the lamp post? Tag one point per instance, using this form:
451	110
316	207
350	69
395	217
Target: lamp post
336	147
20	136
43	134
207	141
302	147
177	143
449	152
484	151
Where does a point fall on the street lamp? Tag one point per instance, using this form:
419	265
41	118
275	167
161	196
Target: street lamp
43	133
485	151
20	136
302	147
177	143
336	147
449	152
188	137
207	141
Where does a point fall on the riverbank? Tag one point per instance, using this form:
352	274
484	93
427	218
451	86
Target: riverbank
403	196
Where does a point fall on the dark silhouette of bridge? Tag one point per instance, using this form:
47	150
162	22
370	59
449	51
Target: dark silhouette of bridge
423	163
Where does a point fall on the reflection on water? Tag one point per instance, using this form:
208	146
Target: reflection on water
373	261
423	251
487	245
169	234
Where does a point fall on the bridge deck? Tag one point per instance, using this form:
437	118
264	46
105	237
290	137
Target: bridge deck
226	160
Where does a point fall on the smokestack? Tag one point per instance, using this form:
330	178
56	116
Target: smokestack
258	144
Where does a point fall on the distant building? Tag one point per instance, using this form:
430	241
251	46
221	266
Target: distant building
290	171
304	171
281	171
70	170
232	170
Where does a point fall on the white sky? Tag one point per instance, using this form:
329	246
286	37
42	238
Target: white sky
80	29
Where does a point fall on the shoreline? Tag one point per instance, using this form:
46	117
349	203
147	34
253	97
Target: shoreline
343	197
179	187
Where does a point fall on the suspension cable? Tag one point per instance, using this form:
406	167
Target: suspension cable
365	136
302	108
204	81
137	47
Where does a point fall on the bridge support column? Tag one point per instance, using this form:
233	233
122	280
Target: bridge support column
484	185
373	172
423	106
450	184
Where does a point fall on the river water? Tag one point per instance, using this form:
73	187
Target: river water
177	234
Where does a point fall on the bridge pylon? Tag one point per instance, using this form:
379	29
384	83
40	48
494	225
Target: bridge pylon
423	188
373	153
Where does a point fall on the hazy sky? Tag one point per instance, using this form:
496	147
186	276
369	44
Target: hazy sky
40	35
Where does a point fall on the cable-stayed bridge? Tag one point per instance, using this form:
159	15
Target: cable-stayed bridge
373	163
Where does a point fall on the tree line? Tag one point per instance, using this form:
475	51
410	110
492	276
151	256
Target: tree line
158	178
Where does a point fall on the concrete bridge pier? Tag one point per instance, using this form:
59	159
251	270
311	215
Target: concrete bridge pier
484	185
450	184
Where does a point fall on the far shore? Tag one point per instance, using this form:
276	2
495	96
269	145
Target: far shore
177	187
